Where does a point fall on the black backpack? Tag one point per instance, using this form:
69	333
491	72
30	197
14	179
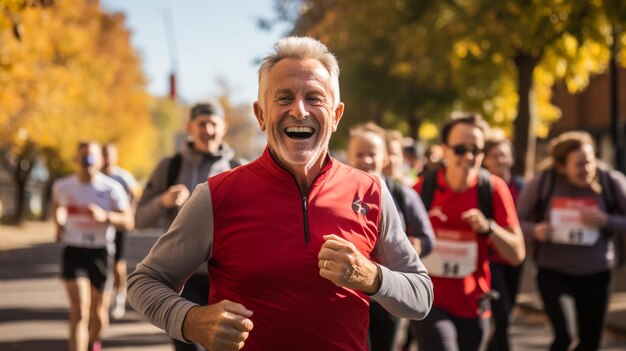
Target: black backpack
485	191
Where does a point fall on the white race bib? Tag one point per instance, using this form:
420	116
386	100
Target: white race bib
82	230
455	254
566	223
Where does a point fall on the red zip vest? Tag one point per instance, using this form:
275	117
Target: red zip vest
266	240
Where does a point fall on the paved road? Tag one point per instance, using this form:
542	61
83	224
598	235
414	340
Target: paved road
33	305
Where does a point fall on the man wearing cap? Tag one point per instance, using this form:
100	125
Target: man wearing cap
170	184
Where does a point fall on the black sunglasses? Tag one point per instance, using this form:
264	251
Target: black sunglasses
461	150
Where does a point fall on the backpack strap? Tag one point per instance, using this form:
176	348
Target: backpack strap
608	190
519	183
429	185
234	162
546	187
396	192
174	169
485	193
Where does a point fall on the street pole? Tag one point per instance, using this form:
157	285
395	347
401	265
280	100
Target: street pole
170	37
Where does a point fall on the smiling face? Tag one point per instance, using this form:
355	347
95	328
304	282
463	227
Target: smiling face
207	132
468	138
580	166
499	159
297	112
366	152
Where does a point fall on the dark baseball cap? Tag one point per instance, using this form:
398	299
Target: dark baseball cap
210	108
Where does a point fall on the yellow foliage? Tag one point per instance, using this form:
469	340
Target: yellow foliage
428	131
74	76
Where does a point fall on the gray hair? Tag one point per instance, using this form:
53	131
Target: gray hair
300	48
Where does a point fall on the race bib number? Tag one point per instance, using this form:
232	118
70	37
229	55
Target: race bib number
566	222
455	254
83	231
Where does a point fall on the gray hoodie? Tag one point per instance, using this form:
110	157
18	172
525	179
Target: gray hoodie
195	168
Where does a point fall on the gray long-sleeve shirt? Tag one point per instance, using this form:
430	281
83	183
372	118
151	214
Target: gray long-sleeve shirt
406	289
413	214
195	168
572	259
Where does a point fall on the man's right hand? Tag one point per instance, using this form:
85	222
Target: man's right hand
221	326
175	196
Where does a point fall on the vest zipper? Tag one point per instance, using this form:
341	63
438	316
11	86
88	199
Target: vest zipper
307	238
305	209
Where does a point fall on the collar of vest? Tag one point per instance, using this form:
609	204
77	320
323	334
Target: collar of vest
281	173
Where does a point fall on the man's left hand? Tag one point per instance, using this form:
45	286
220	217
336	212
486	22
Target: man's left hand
341	263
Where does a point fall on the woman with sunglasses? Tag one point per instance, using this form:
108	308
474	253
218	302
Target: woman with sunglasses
459	265
504	276
569	212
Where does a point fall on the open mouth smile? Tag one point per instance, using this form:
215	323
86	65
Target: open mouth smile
299	132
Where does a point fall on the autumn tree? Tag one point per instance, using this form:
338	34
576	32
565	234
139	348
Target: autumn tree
71	75
567	39
413	60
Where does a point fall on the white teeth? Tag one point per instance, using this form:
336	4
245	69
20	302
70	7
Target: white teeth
299	130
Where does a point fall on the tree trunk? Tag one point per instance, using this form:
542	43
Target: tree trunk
46	199
20	200
524	140
21	172
414	125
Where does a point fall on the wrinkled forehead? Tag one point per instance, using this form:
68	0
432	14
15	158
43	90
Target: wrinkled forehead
292	73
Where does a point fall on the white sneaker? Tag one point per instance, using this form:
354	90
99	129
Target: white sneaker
119	308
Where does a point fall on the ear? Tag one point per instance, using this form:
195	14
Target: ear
338	115
260	117
188	128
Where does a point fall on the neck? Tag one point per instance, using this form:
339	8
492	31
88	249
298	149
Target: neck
459	181
304	174
85	177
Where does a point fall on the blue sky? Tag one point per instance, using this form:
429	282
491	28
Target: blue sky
215	39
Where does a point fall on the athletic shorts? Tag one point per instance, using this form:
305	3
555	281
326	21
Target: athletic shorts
120	243
90	263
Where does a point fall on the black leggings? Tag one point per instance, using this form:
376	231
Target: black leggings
440	331
590	294
383	328
504	280
196	290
